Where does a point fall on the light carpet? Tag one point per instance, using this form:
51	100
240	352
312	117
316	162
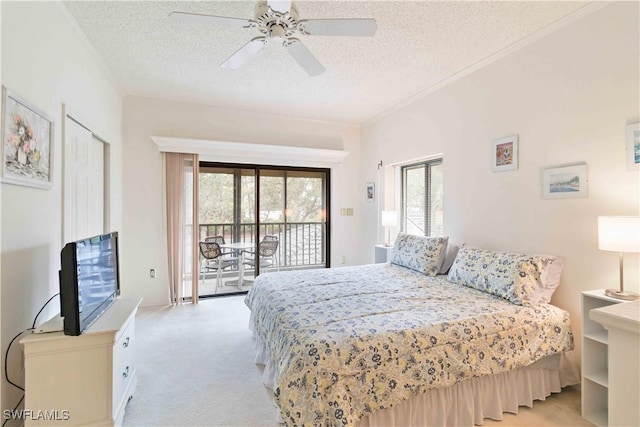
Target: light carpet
195	368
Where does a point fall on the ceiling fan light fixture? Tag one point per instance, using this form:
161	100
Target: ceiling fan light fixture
277	31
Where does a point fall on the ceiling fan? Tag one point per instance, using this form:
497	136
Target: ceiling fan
278	21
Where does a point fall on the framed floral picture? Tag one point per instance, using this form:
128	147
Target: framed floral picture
565	181
505	154
633	147
27	135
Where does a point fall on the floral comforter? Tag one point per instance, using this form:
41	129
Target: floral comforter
348	341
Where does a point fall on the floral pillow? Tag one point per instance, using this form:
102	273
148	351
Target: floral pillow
515	277
420	253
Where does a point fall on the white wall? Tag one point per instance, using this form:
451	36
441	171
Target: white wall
144	227
568	96
48	63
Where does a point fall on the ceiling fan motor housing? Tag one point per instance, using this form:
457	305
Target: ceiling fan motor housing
273	24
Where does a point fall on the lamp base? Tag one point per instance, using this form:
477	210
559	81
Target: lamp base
615	293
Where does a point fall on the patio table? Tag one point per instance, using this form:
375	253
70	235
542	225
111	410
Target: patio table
241	247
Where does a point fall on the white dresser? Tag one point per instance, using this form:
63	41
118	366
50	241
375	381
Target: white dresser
82	380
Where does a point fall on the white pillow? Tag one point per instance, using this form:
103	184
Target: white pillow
448	259
550	279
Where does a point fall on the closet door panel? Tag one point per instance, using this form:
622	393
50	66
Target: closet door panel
83	211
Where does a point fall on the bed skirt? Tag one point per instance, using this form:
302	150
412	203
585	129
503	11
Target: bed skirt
468	402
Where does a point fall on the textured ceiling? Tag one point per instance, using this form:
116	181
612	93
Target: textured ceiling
418	44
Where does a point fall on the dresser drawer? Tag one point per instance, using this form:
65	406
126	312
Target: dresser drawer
123	347
123	377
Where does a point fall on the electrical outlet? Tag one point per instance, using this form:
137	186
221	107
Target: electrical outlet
343	259
152	273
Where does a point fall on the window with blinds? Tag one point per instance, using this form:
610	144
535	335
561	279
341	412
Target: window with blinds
422	197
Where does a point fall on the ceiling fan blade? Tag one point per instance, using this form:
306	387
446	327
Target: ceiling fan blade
244	53
341	27
282	6
305	58
196	18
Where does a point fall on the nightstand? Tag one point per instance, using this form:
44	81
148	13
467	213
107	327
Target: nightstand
622	323
595	350
382	254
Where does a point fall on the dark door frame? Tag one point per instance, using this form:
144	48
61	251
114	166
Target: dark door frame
257	169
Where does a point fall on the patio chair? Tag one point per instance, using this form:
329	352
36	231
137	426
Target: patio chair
212	259
268	254
220	241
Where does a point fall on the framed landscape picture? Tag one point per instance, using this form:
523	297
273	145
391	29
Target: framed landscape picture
565	182
633	147
505	154
27	135
371	192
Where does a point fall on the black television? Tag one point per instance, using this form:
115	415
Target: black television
89	280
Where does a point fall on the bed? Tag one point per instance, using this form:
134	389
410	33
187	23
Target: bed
387	344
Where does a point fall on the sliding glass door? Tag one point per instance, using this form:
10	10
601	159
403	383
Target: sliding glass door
251	204
306	215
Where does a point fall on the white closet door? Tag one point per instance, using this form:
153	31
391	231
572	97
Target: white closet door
83	183
96	187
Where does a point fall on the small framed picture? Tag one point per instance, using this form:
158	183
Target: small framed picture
371	192
633	147
565	181
505	154
27	137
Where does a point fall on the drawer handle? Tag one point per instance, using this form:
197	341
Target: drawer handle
125	344
125	374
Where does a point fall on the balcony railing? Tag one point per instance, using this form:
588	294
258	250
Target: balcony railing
302	244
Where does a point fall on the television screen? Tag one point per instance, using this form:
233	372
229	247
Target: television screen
89	280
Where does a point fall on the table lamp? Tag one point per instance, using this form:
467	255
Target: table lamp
389	219
619	234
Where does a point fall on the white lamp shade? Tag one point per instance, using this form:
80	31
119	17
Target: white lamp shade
389	218
619	233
